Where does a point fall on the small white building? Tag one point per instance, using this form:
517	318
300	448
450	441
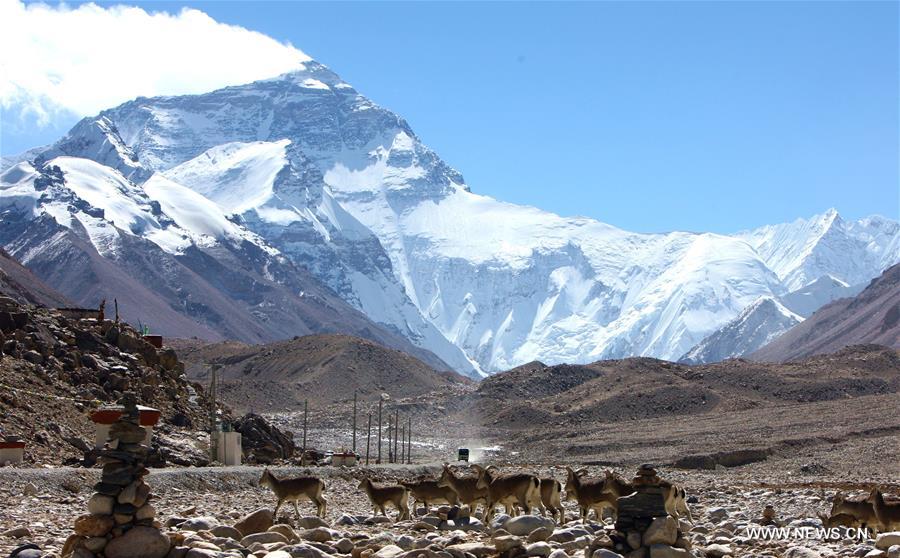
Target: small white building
11	451
228	448
344	458
104	417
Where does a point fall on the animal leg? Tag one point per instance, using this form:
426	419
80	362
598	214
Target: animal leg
296	509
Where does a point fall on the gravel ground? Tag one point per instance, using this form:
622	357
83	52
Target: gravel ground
46	501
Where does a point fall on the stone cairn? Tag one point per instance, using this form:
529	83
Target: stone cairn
120	522
643	528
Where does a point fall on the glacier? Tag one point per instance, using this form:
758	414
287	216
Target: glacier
306	168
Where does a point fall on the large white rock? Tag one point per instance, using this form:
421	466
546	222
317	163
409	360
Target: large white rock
886	540
389	551
525	524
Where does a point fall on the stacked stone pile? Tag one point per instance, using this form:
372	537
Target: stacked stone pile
643	528
121	520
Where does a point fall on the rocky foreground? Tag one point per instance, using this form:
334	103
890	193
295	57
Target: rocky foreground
214	512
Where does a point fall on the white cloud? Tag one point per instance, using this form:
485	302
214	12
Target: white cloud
55	59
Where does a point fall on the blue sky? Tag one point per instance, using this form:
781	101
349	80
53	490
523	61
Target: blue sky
651	116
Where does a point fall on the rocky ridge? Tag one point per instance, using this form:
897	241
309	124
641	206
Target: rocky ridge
57	366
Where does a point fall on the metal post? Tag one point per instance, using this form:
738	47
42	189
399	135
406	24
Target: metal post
368	438
354	421
409	441
380	402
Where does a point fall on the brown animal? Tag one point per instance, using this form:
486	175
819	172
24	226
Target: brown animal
616	484
550	490
428	491
509	490
589	492
466	488
888	514
380	496
294	490
839	520
862	512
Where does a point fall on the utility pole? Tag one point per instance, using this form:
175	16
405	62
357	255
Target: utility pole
213	429
409	441
380	402
368	438
396	431
390	444
305	423
354	421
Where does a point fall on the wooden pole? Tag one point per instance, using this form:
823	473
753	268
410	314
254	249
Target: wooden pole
380	402
354	421
396	431
409	441
305	422
213	435
368	438
390	444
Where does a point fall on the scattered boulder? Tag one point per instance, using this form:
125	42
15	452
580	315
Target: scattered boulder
389	551
886	540
311	522
138	542
801	552
319	534
264	538
17	533
225	531
525	524
202	523
541	549
257	521
719	550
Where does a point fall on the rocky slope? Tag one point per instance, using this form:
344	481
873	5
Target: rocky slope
20	284
629	389
872	316
322	369
56	369
630	411
302	171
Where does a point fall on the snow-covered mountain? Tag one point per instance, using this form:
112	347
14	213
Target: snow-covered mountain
759	324
852	252
313	175
812	296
